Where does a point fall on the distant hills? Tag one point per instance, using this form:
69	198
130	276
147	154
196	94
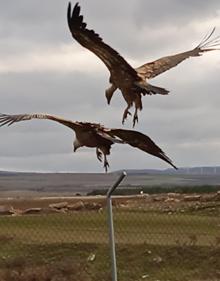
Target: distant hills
203	170
18	184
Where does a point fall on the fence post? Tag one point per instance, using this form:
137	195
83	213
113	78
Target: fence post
111	225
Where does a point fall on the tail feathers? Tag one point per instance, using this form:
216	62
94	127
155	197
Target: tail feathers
150	89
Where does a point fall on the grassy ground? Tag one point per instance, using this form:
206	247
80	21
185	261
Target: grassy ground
151	245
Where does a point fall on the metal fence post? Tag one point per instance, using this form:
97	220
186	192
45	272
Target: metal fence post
111	225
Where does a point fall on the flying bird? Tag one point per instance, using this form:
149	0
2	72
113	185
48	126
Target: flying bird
96	136
132	82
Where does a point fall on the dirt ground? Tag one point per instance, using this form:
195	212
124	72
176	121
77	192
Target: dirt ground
163	202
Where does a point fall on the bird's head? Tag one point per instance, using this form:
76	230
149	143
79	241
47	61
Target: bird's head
108	94
76	145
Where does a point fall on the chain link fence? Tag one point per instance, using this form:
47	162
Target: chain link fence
159	237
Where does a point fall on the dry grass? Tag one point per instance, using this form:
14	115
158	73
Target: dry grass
61	271
150	242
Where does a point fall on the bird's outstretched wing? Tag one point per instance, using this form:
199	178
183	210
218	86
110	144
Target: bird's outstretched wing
152	69
6	119
93	42
142	142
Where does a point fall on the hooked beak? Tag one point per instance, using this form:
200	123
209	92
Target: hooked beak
74	149
108	99
108	95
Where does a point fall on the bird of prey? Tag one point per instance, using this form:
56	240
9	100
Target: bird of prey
96	136
132	82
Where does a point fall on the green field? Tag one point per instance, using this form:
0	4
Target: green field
151	245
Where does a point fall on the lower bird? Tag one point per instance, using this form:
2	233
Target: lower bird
96	136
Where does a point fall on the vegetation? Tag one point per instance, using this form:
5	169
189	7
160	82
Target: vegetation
151	245
157	189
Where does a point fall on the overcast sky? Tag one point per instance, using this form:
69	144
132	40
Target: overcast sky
42	69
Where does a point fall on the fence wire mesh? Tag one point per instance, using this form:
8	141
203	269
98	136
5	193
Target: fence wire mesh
158	237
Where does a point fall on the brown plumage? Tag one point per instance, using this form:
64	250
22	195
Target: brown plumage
96	136
131	81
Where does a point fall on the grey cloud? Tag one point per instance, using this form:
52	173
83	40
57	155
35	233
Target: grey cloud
33	19
31	24
55	163
174	12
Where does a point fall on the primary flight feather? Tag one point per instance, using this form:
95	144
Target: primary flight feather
132	82
96	136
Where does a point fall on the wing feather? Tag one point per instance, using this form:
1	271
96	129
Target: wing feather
105	134
142	142
154	68
6	119
93	42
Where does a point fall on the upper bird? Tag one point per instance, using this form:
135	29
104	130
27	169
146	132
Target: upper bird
96	135
131	81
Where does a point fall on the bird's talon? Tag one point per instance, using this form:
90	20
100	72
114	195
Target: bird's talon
135	120
106	166
123	120
125	115
99	155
